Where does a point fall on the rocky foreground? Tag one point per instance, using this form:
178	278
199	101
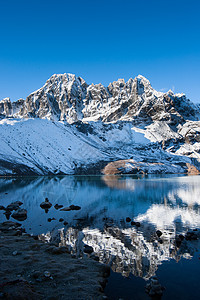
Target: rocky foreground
31	269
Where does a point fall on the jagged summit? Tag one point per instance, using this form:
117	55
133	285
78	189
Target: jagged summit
140	129
67	97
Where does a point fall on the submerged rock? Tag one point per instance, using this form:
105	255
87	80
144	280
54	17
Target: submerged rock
20	214
128	219
58	206
46	204
71	207
14	205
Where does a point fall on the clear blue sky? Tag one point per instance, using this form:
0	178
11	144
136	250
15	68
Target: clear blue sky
100	41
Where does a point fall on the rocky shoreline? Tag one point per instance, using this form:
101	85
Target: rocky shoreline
31	269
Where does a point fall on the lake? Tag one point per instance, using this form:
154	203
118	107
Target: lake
135	251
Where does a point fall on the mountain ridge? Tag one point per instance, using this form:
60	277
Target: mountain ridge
66	97
68	126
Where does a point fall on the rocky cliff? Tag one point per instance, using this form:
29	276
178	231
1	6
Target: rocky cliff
68	126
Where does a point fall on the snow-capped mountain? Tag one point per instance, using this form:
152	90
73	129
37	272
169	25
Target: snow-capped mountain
65	97
68	126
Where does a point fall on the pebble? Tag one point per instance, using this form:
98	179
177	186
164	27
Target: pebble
159	233
14	253
128	219
47	274
57	206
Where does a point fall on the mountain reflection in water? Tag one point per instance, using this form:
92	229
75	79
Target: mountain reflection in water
169	204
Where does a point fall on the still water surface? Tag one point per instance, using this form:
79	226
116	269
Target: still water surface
170	204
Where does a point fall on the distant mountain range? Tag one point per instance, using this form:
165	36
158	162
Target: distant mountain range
68	127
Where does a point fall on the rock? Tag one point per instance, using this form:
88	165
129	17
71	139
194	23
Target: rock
75	207
137	224
20	214
71	207
61	220
57	206
2	207
7	213
88	249
132	223
66	209
14	205
49	219
65	223
47	274
46	204
14	253
128	219
159	233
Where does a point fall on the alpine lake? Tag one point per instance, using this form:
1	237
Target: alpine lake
141	226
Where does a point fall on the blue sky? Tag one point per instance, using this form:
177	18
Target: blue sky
100	41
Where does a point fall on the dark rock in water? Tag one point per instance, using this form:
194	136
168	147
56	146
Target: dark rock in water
159	233
160	241
71	207
58	206
50	219
14	206
137	224
66	209
132	223
128	219
65	223
2	207
61	220
18	203
75	207
88	249
7	213
20	214
46	204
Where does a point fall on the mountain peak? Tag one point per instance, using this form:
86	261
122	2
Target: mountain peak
67	97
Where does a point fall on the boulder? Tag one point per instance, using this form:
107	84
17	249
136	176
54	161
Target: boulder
20	215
